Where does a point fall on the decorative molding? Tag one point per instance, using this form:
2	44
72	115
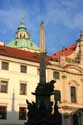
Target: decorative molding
73	82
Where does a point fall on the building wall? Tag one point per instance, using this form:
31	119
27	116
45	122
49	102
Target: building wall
13	100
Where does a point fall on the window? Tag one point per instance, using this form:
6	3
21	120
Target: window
23	88
24	36
23	69
31	44
5	65
20	35
16	43
56	75
4	86
22	113
3	112
75	119
73	94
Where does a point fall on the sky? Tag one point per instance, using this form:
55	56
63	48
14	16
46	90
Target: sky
63	20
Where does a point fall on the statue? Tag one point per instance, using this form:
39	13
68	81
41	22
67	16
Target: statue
40	114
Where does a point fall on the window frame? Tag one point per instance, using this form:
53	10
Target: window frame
3	87
56	75
23	85
3	112
73	94
4	65
22	113
22	70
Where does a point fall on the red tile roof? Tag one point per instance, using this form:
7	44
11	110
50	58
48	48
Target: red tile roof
67	51
20	54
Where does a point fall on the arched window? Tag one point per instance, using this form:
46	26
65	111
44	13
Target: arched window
20	35
24	36
73	94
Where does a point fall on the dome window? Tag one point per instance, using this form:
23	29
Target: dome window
31	44
16	43
20	35
24	35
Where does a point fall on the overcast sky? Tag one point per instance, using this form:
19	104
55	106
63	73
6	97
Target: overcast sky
63	20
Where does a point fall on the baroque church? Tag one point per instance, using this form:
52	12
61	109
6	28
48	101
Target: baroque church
20	71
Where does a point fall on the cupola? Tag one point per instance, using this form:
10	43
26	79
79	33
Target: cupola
22	31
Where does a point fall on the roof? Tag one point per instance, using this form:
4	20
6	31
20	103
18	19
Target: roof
22	26
67	51
23	43
21	54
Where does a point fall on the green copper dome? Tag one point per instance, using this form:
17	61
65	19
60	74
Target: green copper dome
23	43
23	39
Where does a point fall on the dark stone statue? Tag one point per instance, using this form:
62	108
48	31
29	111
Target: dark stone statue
40	112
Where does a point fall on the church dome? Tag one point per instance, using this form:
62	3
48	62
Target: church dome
23	39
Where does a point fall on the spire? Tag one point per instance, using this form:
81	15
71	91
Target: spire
22	25
22	21
42	37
